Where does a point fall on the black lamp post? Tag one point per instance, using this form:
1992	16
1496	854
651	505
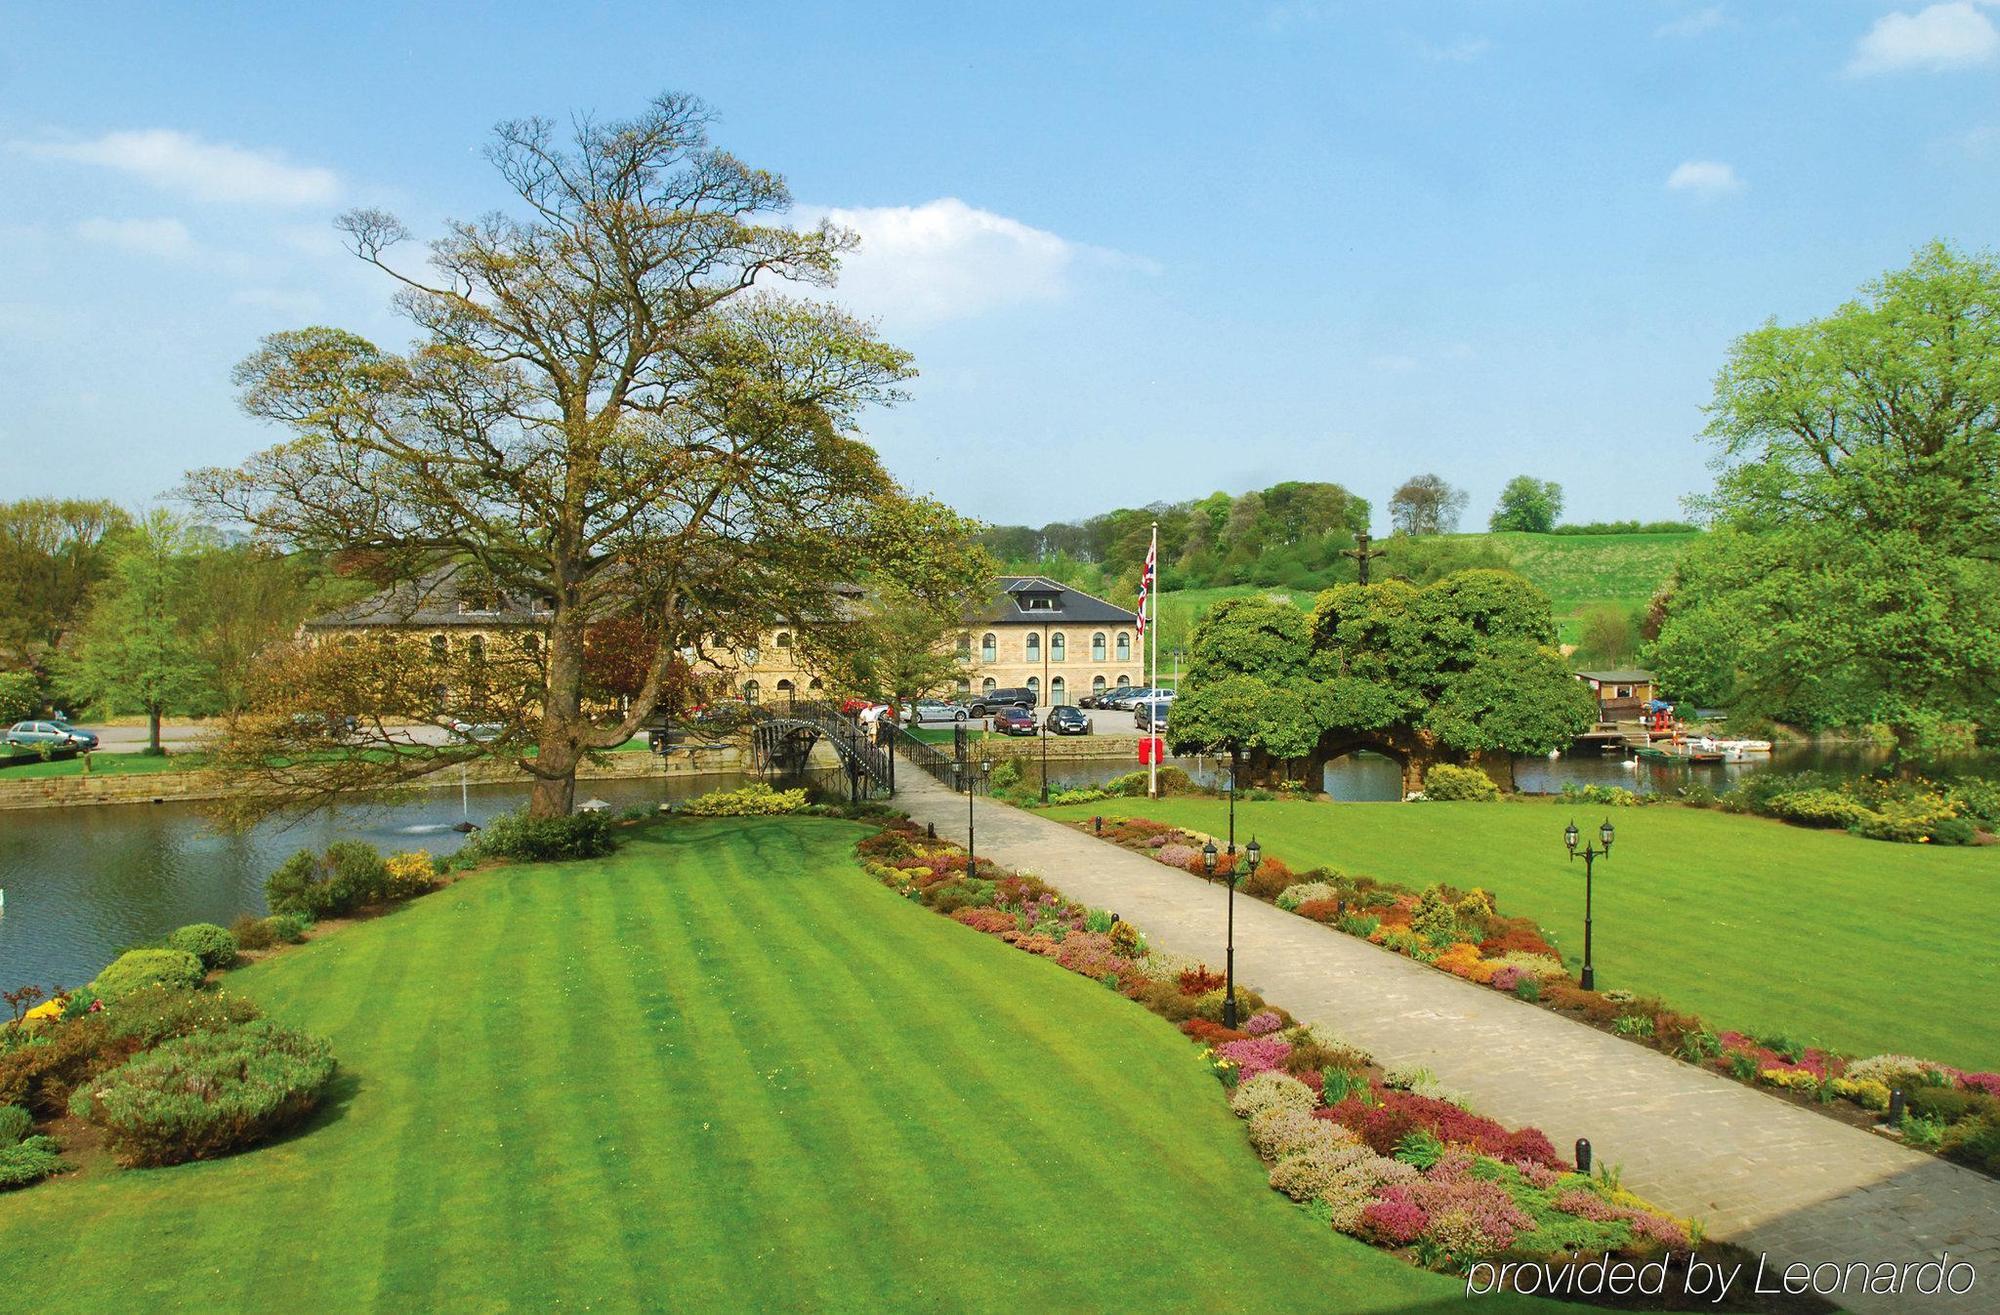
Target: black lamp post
1230	790
1252	856
971	785
1588	981
1048	706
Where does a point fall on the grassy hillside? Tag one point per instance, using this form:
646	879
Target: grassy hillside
1576	571
1753	924
720	1070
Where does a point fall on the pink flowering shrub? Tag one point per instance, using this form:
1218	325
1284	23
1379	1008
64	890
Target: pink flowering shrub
1465	1217
1090	953
1177	856
1397	1221
1257	1054
1585	1205
1986	1082
1506	979
1263	1022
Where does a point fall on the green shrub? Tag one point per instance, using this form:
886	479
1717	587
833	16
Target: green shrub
135	970
211	944
754	800
1950	1104
208	1093
1006	776
349	875
28	1163
1173	782
286	928
1450	782
1817	807
1976	1143
1608	796
154	1014
14	1124
1977	798
547	839
1953	831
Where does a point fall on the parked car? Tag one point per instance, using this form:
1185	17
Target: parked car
1066	720
55	734
1015	721
479	732
923	710
1122	697
993	700
1150	714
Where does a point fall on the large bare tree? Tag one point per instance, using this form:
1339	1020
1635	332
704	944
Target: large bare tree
606	413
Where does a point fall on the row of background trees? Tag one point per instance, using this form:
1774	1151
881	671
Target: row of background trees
107	614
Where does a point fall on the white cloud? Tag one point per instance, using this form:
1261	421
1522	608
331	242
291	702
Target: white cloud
1462	51
946	260
167	239
1691	25
1704	178
208	171
1942	36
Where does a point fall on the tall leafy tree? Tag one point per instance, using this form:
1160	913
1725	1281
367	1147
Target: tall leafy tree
52	553
1855	575
1527	504
137	649
606	413
1426	504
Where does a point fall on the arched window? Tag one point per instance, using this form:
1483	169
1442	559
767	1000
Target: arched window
1035	687
1124	682
1097	682
350	641
1097	647
785	687
784	639
440	646
751	691
964	649
532	645
1058	646
1124	647
1034	647
989	647
475	648
816	685
988	685
1058	691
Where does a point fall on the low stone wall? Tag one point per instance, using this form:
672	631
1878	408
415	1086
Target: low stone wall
1060	746
165	787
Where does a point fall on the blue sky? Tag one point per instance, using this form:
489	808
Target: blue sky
1143	251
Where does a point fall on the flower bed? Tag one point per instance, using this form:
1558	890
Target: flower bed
1375	1155
1948	1111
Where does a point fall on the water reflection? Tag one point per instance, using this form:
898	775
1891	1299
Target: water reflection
82	883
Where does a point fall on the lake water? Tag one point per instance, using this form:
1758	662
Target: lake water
82	883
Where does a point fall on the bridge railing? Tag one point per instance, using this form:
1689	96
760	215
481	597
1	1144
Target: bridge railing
948	769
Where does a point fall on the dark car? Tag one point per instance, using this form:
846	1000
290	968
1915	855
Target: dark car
1066	720
1122	697
993	700
1014	721
1150	713
1102	698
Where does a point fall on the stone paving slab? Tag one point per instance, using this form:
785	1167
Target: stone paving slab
1756	1169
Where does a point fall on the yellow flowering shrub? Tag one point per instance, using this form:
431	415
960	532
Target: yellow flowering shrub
1792	1079
1865	1092
411	873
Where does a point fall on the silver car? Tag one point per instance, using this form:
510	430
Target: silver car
928	710
55	734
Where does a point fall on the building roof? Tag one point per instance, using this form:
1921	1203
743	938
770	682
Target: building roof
1630	676
1072	606
442	598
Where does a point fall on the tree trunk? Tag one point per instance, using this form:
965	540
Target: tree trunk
560	745
153	730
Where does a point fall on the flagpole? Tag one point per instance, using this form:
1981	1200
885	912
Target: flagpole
1153	681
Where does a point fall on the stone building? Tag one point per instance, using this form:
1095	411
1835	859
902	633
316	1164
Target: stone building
1034	633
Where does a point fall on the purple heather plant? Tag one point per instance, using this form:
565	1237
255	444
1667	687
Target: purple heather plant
1263	1022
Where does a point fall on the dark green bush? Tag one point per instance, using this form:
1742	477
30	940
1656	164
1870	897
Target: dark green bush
286	928
211	944
207	1093
160	1013
1953	831
14	1124
1950	1104
546	839
1976	1143
348	875
136	969
28	1163
40	1075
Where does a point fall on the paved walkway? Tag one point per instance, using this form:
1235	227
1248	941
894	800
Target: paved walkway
1759	1171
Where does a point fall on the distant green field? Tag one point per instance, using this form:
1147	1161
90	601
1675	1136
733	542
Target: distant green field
1576	571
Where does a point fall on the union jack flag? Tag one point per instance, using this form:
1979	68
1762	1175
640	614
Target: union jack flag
1146	580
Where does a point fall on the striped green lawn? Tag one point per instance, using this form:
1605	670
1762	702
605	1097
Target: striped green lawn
722	1070
1857	944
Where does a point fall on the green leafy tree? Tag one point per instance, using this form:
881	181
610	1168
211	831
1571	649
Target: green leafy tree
1854	577
1527	504
136	648
606	413
52	554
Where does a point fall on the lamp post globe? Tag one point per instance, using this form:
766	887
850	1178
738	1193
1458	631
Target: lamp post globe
1570	835
1208	856
1604	833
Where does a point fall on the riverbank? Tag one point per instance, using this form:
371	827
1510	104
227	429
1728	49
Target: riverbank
194	785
